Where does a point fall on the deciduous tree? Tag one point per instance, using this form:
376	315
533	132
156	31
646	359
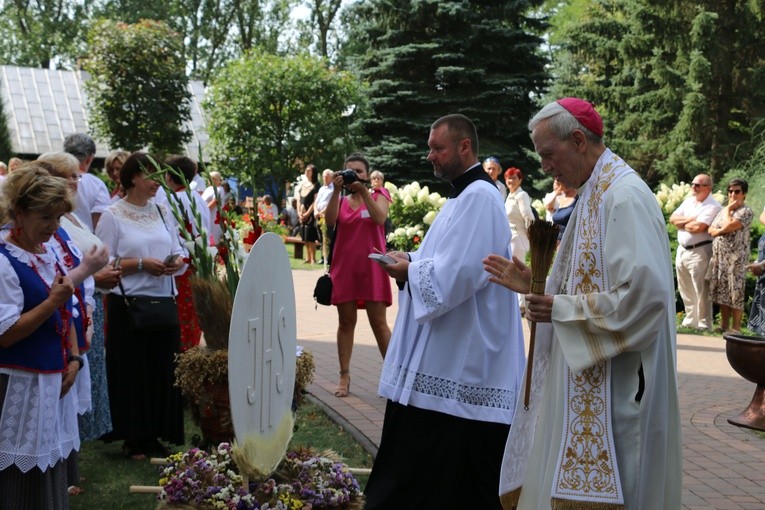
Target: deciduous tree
268	115
138	88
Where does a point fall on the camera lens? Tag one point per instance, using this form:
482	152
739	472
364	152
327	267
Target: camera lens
349	176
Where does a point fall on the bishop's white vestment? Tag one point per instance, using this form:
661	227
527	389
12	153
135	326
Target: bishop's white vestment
627	326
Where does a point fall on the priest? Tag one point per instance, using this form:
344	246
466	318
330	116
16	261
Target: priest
453	366
602	429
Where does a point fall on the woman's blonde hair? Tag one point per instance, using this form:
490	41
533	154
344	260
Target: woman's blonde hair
32	188
377	173
62	163
113	156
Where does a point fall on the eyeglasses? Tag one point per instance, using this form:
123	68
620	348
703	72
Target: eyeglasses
734	191
698	185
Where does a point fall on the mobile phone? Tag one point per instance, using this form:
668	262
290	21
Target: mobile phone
170	259
116	262
382	259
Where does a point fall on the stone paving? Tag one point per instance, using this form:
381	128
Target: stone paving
724	465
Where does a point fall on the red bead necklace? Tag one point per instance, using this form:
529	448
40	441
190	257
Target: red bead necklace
62	329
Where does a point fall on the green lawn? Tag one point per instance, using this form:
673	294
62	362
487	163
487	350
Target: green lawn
108	475
298	263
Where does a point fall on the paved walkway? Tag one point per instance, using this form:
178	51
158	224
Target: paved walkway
724	465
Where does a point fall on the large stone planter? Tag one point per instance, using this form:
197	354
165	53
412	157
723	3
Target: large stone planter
746	354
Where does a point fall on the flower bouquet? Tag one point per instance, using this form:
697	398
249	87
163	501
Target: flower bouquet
303	480
413	209
202	372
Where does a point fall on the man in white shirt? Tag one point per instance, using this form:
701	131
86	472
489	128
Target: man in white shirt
324	193
322	201
92	193
268	209
453	367
694	251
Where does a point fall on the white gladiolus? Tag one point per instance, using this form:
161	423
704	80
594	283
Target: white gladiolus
400	231
433	198
415	187
408	201
423	194
429	218
392	189
411	231
441	201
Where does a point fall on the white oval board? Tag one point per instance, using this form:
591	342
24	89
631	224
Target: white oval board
261	341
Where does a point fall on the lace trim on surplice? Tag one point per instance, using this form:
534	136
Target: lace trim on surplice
429	296
495	398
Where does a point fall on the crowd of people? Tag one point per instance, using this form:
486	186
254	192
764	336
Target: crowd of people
74	260
713	257
74	256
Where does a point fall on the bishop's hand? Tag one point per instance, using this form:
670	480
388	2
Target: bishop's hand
513	274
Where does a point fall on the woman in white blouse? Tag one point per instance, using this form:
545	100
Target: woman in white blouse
520	216
519	213
145	405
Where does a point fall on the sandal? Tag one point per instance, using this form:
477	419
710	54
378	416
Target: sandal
344	386
132	453
75	491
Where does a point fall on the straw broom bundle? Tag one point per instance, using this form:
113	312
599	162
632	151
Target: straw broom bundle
213	303
543	237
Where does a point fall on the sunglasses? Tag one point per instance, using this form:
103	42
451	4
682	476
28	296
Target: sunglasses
734	191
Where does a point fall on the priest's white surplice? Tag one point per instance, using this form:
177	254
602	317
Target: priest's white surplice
456	346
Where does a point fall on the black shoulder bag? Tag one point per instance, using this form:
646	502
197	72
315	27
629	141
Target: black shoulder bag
152	313
322	292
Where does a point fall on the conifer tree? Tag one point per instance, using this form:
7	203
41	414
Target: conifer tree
426	58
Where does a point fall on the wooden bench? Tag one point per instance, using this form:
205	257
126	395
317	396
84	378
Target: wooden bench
298	244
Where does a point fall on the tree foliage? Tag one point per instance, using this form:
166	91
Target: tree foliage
268	115
321	28
36	34
6	149
138	89
679	83
428	58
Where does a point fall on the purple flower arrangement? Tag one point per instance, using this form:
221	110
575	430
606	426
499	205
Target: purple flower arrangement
304	480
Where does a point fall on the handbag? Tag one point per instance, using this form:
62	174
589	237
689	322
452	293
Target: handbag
150	314
322	293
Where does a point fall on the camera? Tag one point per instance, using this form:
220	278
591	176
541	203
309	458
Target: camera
349	176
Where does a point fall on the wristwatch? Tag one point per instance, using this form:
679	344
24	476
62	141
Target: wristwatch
140	264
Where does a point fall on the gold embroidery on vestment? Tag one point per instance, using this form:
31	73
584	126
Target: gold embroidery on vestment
586	467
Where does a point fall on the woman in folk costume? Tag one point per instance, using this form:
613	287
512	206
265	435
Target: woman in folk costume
602	429
82	255
39	360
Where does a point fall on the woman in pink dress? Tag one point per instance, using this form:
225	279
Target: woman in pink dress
357	281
